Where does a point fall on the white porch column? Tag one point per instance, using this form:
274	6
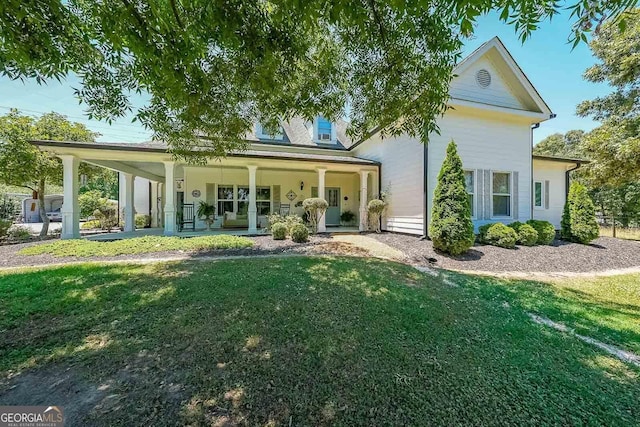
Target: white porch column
153	197
70	209
159	203
253	210
322	227
169	199
364	175
129	202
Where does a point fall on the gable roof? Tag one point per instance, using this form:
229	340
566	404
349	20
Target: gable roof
518	81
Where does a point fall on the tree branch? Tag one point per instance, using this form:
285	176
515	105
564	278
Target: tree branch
175	13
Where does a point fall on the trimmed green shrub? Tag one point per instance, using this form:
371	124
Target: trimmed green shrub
5	224
279	231
501	235
288	220
451	228
579	216
527	235
482	232
375	208
546	231
19	232
315	208
299	233
347	217
90	201
143	221
108	217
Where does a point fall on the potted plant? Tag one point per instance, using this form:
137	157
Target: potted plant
206	211
347	217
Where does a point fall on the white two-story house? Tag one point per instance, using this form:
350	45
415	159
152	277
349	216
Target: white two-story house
494	109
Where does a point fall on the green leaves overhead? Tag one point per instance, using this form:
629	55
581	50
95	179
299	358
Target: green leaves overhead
213	68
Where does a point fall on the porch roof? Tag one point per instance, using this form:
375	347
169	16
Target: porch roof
159	147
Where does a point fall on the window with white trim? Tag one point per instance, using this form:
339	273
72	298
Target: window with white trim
225	199
263	200
323	130
538	194
501	194
264	133
470	186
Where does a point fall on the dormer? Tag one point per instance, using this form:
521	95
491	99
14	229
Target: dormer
324	131
263	133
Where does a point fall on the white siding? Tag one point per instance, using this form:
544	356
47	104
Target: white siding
554	172
498	93
402	178
487	142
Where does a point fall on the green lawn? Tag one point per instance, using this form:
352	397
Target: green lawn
137	245
310	341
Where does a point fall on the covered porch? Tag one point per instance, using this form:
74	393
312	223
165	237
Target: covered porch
244	187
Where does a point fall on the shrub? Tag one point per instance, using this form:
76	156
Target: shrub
108	217
546	231
143	221
315	208
90	225
501	235
579	217
347	217
279	231
482	232
288	220
90	201
299	233
527	235
19	232
451	227
5	224
375	208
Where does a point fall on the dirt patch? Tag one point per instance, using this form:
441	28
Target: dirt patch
55	385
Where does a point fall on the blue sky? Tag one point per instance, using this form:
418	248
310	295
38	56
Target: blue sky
549	62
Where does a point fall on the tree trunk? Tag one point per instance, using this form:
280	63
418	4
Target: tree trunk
43	211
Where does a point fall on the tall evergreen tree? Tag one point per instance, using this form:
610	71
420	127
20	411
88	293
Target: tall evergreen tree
451	226
579	218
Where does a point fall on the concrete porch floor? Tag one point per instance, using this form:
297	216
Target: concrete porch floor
201	232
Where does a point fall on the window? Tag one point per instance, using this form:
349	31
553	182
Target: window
263	200
538	193
501	189
264	133
469	182
225	199
324	129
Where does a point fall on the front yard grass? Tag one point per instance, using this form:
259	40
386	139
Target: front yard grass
308	341
136	245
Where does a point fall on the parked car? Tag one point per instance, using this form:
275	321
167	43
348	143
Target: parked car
54	216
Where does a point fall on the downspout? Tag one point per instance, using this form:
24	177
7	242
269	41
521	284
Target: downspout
567	179
425	193
534	127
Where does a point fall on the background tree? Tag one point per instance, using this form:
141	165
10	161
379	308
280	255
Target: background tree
215	68
23	164
615	145
451	228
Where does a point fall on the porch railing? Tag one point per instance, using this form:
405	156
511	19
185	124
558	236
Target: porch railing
186	217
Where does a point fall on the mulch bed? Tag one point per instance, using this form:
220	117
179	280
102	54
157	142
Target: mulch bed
605	253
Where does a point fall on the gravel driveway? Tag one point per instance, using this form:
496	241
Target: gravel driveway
605	253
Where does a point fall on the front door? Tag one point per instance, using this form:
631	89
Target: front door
332	196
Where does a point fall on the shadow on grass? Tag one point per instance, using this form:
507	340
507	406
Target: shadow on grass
292	340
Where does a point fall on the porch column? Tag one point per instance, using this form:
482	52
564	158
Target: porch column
364	175
153	200
129	204
169	199
253	210
159	201
70	208
322	227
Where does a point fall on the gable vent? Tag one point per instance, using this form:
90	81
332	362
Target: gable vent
483	78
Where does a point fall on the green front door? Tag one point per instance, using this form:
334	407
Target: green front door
332	196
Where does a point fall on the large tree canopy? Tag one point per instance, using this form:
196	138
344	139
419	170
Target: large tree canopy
215	67
615	145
